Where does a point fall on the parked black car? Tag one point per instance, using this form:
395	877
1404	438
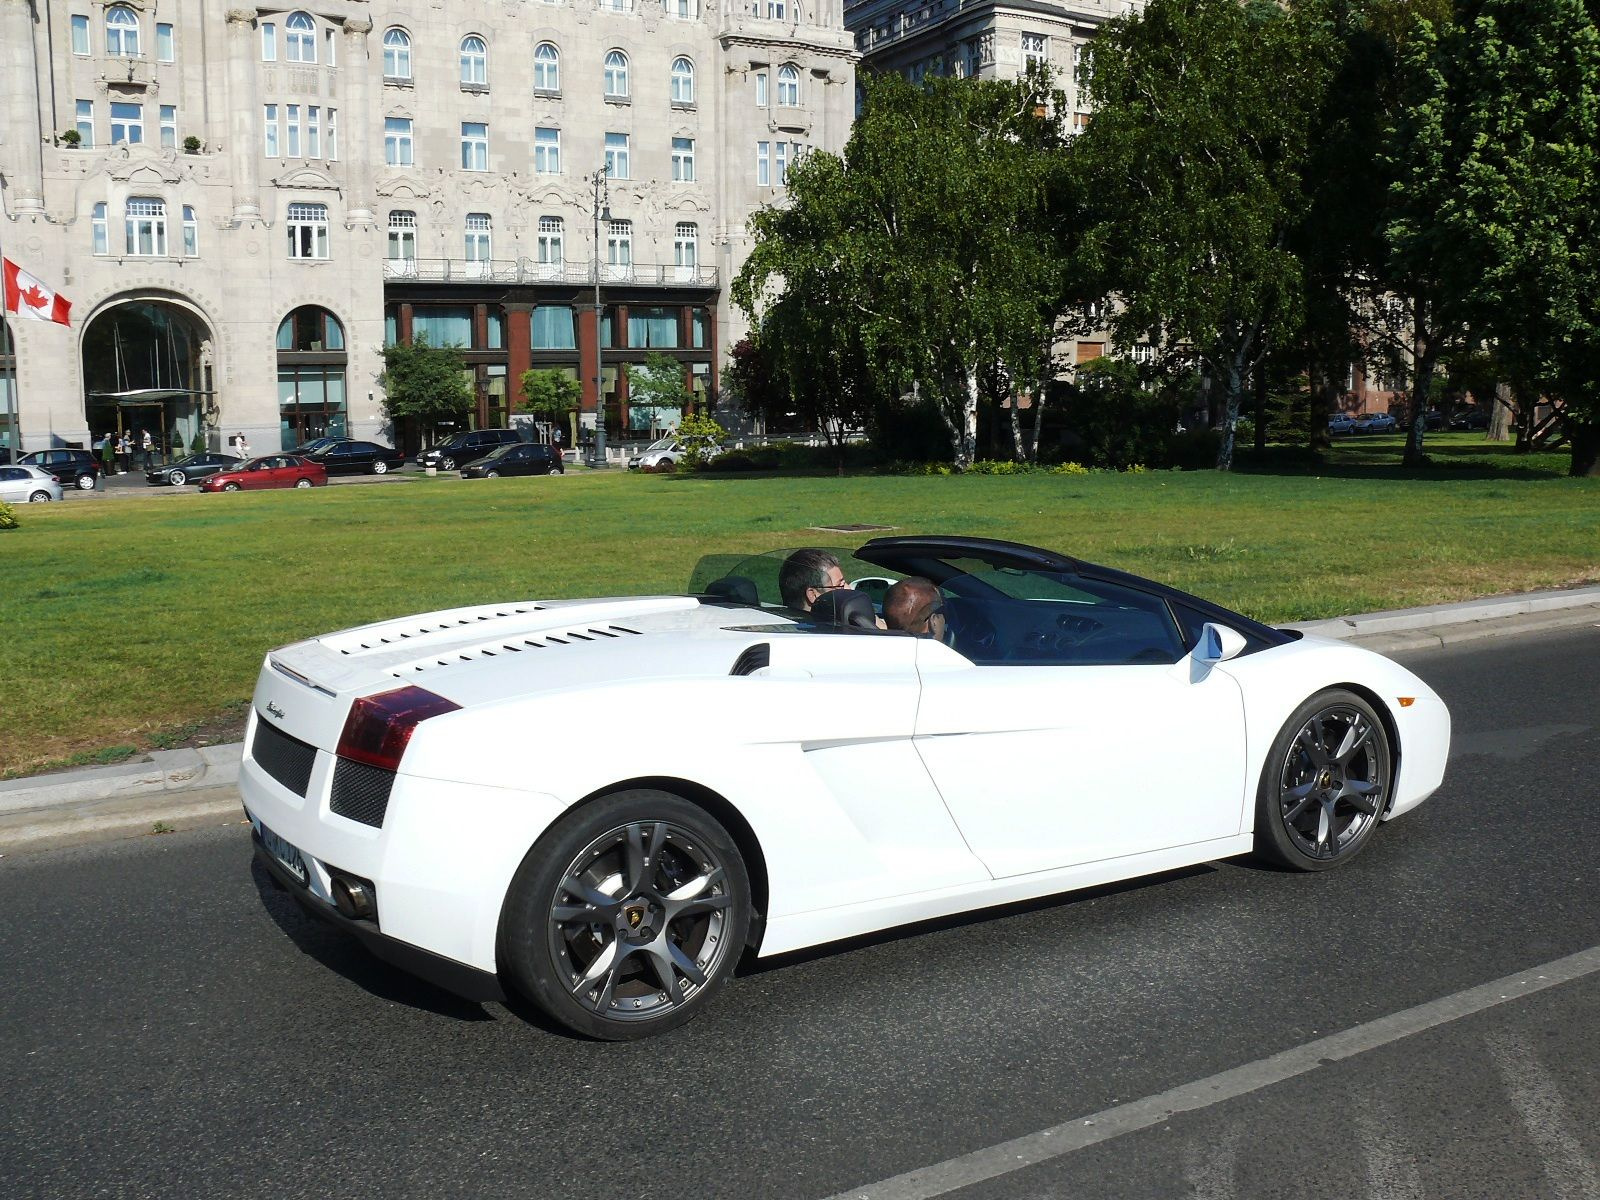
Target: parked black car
69	468
316	444
346	458
190	470
523	458
1470	418
468	446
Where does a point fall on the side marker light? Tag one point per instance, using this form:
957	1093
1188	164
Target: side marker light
1406	701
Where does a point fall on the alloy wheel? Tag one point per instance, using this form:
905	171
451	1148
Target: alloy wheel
1333	784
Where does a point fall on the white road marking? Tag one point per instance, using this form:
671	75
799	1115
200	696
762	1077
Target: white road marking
1391	1167
1538	1102
1212	1169
1058	1140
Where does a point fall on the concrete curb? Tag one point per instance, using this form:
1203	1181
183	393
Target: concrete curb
185	787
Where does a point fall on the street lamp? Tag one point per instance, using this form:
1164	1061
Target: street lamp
602	211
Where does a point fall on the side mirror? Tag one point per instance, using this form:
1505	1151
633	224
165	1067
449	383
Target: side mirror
1219	643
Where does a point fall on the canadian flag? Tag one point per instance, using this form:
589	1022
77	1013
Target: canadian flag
27	297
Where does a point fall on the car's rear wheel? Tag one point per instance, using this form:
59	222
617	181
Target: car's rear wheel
379	467
177	478
40	497
86	483
302	483
230	487
627	916
1325	784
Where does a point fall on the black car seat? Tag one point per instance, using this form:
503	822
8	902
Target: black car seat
846	608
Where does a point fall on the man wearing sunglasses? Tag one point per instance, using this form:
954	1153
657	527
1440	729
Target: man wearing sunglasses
914	605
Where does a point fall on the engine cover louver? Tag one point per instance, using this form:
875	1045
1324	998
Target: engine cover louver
753	659
561	637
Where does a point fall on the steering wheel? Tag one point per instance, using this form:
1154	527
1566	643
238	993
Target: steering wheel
968	630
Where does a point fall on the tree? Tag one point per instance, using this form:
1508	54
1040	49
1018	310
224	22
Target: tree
658	384
550	394
425	382
754	380
1512	90
918	258
1198	151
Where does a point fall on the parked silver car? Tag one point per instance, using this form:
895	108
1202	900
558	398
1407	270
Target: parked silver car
29	485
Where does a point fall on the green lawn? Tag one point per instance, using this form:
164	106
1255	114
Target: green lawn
126	621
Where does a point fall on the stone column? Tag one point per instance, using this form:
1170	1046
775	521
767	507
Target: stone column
21	148
355	146
243	123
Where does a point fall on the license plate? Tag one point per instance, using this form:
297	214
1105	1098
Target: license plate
284	852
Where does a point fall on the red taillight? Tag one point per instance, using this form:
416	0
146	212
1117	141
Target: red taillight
379	727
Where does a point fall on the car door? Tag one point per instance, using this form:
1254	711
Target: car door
1069	743
14	483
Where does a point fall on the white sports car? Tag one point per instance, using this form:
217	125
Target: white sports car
604	803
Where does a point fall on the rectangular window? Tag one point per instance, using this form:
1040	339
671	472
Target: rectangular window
127	124
169	126
443	326
191	233
617	155
331	134
329	42
402	236
85	123
550	241
269	42
553	328
761	89
780	161
763	164
652	328
397	141
474	146
291	130
146	231
477	237
1033	49
80	35
269	125
700	328
619	244
98	226
308	231
313	131
547	151
163	42
683	160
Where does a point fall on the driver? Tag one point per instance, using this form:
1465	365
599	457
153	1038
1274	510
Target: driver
807	574
914	605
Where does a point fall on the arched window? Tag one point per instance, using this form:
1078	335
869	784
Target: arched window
311	376
682	81
546	68
474	61
300	38
145	219
788	86
396	54
122	32
616	75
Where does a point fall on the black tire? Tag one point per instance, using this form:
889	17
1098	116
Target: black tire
177	478
230	487
1325	784
86	483
39	497
572	903
491	474
379	467
447	464
302	482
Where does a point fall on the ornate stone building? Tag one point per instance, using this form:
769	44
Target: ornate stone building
244	204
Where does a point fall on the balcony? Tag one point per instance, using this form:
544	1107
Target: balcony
527	271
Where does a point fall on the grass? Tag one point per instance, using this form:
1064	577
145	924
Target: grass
129	622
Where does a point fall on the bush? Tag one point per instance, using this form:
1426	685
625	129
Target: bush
1194	449
699	436
8	516
198	446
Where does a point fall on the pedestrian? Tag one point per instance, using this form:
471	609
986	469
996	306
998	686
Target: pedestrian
108	453
124	453
147	446
242	447
555	449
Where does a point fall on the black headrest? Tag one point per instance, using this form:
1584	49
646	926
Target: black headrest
736	588
846	607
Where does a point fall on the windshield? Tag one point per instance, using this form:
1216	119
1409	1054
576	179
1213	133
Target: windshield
665	443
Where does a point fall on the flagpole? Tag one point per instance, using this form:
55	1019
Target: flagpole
14	393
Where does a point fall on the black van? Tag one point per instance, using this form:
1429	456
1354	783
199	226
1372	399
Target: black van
461	448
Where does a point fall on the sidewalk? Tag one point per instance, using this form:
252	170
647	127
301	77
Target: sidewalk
183	789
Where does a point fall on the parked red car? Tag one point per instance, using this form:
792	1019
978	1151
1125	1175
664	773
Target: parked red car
268	471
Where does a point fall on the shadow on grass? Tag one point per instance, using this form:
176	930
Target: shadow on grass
1447	463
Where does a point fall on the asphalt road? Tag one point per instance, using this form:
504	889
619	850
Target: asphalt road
172	1026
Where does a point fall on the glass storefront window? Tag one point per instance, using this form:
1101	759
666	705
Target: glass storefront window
553	328
442	326
495	391
653	328
311	404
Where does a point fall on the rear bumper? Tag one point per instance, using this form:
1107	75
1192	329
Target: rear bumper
467	982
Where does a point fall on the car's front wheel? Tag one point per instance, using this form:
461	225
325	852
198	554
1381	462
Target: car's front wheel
491	474
1325	784
40	497
447	464
627	916
230	487
177	478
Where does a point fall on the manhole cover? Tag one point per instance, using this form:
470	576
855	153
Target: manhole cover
852	528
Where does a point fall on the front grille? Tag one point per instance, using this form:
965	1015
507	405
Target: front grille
361	792
287	759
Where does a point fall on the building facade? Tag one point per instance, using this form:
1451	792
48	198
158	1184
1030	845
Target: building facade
245	204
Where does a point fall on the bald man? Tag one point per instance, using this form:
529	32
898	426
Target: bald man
914	605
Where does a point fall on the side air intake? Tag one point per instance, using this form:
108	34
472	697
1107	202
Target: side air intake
753	659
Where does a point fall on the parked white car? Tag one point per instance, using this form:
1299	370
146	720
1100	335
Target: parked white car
453	790
27	485
663	454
